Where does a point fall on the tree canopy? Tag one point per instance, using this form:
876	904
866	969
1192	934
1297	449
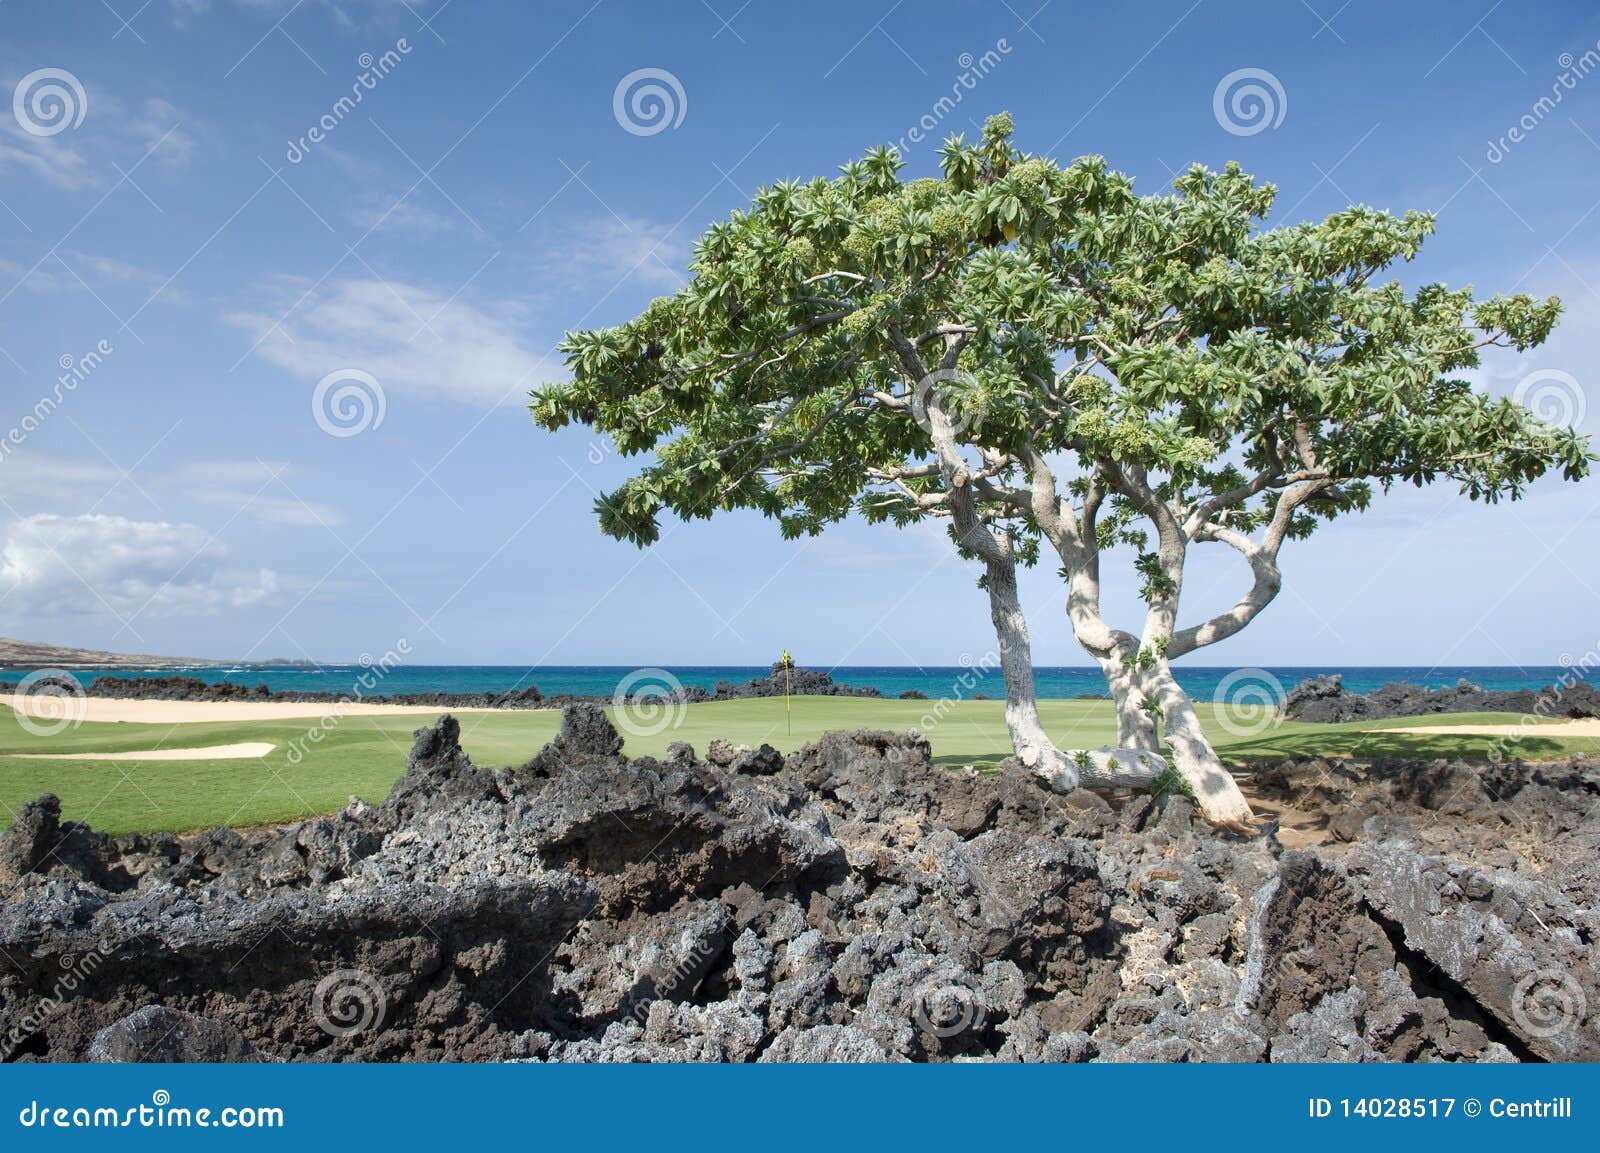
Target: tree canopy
1170	338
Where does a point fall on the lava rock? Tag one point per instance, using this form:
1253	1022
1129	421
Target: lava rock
851	901
158	1034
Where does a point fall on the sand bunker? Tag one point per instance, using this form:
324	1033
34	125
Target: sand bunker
1586	727
240	750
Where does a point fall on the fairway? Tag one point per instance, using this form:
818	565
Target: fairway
363	755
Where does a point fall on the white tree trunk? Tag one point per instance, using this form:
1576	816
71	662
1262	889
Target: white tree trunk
1215	790
1136	728
1063	769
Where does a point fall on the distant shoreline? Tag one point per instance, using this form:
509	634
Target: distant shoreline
15	654
1318	697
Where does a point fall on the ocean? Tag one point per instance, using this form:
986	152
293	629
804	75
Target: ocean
1201	682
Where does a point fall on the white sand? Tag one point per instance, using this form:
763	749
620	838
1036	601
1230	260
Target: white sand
99	709
1586	727
238	751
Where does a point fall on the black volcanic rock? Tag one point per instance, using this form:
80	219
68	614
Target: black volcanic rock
851	901
1325	699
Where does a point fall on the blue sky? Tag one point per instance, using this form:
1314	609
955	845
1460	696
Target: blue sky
484	195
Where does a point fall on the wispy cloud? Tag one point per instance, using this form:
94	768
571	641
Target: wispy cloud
112	136
410	337
37	481
597	253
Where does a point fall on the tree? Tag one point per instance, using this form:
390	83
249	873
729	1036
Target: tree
1043	357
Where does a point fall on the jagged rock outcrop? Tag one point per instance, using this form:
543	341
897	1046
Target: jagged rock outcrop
1325	699
850	902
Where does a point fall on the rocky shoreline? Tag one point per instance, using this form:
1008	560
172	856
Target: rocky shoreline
1322	699
1326	700
801	682
851	901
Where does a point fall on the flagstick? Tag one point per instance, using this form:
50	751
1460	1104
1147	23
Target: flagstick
788	714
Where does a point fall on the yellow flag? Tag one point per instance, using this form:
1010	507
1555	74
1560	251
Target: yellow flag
788	663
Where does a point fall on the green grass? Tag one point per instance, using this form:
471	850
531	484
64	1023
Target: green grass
362	756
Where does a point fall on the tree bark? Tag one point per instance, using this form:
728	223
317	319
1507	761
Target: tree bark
1216	792
1136	727
1124	767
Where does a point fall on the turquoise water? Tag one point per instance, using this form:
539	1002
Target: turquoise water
891	680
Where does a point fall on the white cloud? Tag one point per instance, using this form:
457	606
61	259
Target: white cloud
409	216
89	565
262	490
61	162
155	128
113	271
108	130
605	252
27	477
411	338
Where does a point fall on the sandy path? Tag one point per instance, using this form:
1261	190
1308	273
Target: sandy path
1586	727
194	712
238	751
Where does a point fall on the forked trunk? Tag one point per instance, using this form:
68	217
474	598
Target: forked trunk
1063	769
1215	790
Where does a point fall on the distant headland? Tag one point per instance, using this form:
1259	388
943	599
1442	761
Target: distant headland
34	654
